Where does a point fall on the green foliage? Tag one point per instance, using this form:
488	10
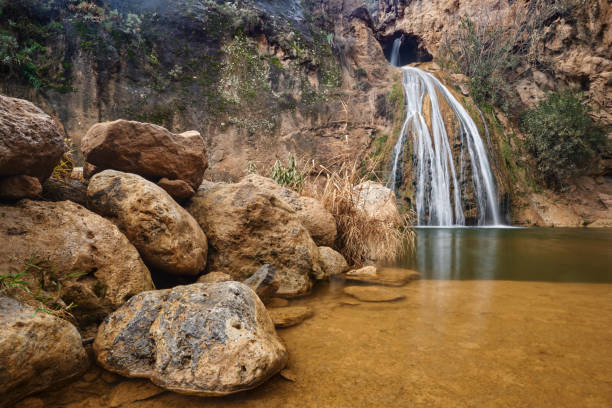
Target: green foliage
561	136
290	176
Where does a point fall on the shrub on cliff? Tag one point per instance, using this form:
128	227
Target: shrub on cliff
561	136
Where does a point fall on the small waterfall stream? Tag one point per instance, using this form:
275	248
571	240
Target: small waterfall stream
439	186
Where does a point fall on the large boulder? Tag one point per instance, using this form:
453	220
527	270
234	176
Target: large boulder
31	143
248	226
167	236
378	202
147	150
36	351
319	222
200	339
96	265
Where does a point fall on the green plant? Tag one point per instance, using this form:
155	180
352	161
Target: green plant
561	136
290	176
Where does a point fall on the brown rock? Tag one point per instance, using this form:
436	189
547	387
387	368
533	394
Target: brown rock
377	201
373	293
247	226
30	141
89	170
290	316
332	262
178	189
56	189
131	391
312	214
277	302
18	187
264	282
214	277
73	239
288	375
601	223
167	236
200	339
148	150
37	350
384	276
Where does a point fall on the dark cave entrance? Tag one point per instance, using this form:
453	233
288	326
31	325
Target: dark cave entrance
411	49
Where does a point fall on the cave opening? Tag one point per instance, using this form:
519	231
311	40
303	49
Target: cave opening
411	48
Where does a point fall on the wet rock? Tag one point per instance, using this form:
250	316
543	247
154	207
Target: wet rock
178	189
384	276
167	237
248	226
288	375
75	190
131	391
200	339
373	293
312	214
214	277
70	238
264	282
290	316
148	150
31	143
37	350
332	262
18	187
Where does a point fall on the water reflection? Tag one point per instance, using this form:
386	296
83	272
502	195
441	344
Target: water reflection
556	255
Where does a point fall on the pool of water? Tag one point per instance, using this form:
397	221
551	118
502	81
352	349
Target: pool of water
525	254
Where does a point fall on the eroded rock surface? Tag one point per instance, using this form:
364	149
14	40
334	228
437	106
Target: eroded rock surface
248	226
71	239
201	339
37	350
167	236
147	150
31	143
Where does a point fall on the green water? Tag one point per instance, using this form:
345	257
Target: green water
524	254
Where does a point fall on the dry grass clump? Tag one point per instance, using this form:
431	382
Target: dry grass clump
361	237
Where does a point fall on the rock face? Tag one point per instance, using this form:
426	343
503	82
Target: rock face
201	339
72	239
18	187
264	282
377	201
147	150
332	262
248	226
312	214
167	237
36	351
30	141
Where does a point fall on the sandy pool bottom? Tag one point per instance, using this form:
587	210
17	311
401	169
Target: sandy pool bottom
447	344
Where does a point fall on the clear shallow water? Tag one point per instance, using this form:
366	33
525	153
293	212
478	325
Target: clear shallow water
524	254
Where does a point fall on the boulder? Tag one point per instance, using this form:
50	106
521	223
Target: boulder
178	189
384	276
57	189
70	239
37	350
264	282
319	222
290	316
18	187
377	201
31	143
332	262
373	293
200	339
248	226
167	237
214	277
148	150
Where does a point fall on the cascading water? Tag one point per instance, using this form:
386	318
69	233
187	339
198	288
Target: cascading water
439	195
397	43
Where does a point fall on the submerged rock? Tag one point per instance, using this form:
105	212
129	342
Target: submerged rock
248	226
148	150
72	241
332	262
18	187
37	350
200	339
373	293
167	236
290	316
31	143
264	282
384	276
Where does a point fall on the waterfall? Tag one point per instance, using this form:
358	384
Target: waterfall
439	196
397	43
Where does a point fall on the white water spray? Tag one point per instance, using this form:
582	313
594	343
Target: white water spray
439	198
